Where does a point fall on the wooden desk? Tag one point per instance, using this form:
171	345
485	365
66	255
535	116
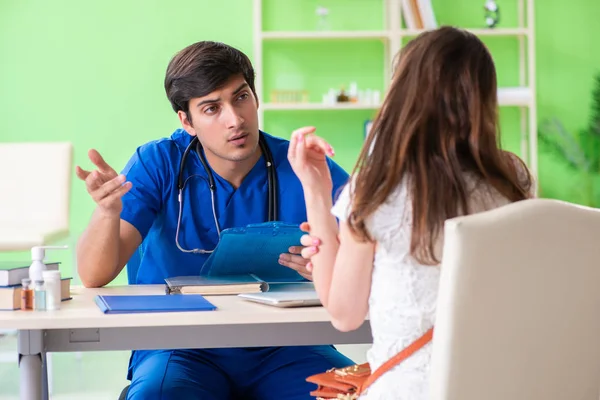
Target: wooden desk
80	326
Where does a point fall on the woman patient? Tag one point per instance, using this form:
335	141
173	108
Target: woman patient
433	154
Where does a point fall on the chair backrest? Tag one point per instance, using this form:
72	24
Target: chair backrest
35	186
519	305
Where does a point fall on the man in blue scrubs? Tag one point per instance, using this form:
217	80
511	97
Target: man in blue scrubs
211	87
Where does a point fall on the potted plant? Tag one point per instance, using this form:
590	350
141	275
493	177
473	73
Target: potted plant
580	153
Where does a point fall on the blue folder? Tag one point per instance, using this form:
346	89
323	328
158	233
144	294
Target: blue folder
255	249
129	304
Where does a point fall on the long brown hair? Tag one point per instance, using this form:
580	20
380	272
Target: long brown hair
439	120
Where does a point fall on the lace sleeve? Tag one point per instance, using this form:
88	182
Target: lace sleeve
389	218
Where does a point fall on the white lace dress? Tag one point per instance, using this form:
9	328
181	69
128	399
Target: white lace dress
402	302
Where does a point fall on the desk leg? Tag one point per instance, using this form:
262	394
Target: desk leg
45	374
33	386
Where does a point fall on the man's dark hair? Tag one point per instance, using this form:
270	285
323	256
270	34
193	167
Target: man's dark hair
202	68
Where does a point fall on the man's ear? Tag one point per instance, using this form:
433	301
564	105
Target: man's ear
186	123
256	98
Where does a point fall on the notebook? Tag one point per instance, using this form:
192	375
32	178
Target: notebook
255	249
285	295
129	304
210	285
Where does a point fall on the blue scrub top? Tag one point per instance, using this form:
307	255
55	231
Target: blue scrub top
152	207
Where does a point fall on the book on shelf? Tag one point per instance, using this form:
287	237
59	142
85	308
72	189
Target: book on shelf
427	14
213	285
10	296
412	17
418	14
13	272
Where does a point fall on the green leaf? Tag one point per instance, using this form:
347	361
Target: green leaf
591	137
559	141
594	124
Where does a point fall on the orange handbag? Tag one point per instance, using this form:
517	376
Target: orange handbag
350	382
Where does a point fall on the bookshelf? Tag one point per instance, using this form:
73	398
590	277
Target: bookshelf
392	36
382	35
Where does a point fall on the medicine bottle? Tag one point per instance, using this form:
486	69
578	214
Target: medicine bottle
39	296
26	295
52	283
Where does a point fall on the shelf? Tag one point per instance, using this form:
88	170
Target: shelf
274	35
384	35
510	96
478	32
319	106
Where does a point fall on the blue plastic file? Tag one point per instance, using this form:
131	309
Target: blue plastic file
255	249
125	304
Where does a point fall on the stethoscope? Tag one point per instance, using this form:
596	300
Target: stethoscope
271	178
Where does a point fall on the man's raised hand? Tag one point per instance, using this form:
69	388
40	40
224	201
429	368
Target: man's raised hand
104	185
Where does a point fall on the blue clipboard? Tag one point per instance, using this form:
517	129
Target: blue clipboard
255	249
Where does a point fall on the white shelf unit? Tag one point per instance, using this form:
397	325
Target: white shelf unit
325	35
517	96
522	96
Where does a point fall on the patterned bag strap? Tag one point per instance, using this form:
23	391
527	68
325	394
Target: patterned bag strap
398	358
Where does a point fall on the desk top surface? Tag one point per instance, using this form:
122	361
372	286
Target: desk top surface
82	312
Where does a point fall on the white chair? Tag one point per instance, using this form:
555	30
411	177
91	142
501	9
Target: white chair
35	188
519	305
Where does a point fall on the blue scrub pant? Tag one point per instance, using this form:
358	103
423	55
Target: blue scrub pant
230	374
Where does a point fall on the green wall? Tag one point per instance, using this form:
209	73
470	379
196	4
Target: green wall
91	72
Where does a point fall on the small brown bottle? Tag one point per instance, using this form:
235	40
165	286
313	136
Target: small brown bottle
342	97
26	295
